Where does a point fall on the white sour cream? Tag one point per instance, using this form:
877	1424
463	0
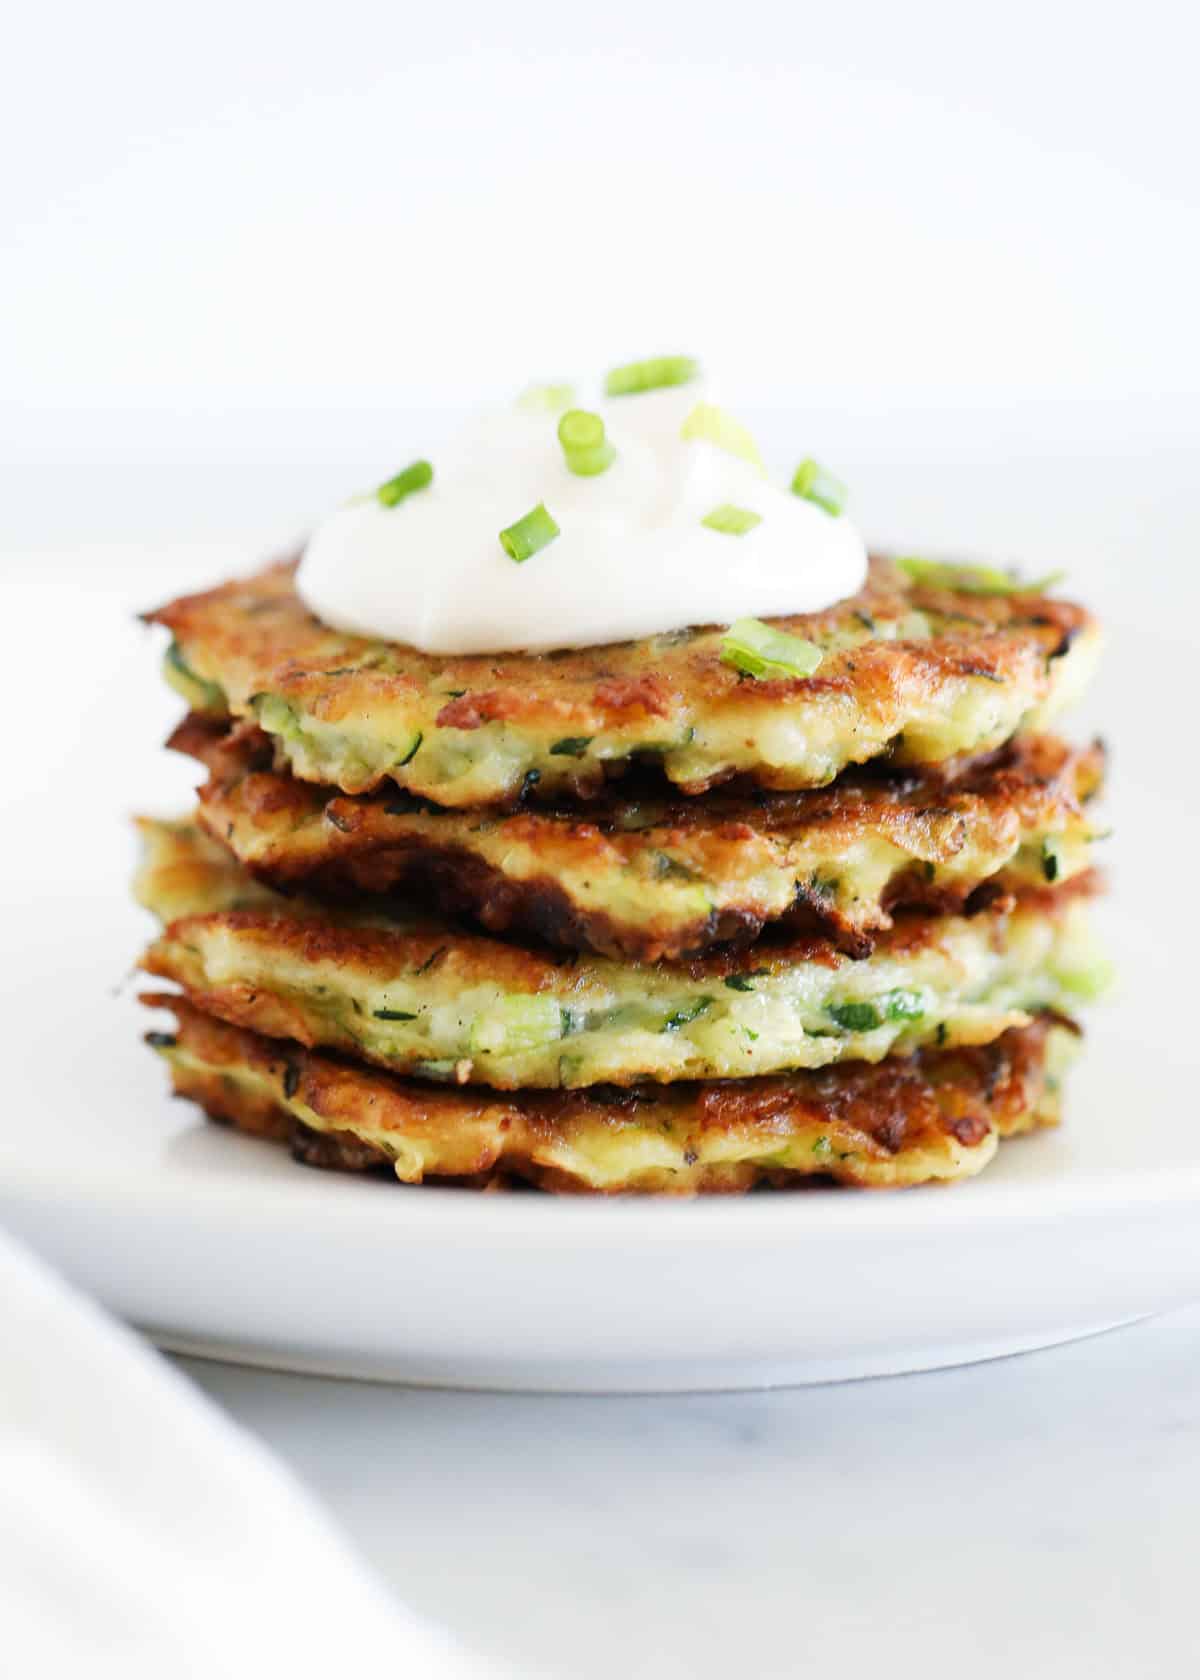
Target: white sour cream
633	558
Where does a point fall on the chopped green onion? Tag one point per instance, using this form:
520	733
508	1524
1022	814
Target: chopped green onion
757	650
651	375
529	534
733	521
571	746
711	424
815	484
584	444
546	399
974	580
417	477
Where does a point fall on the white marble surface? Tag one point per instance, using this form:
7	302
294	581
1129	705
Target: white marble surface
1033	1516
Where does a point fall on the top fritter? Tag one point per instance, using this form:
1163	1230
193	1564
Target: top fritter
925	663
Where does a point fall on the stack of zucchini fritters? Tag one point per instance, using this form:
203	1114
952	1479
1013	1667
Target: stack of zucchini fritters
625	918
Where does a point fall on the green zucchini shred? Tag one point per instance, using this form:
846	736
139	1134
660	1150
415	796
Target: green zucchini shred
855	1017
687	1013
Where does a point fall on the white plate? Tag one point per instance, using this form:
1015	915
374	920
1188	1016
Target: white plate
220	1245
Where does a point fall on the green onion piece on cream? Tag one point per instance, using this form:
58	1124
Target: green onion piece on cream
529	534
732	521
815	484
757	650
713	425
650	375
546	399
586	448
974	580
417	477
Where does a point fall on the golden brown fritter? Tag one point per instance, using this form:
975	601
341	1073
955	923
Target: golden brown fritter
642	874
932	1116
921	673
419	995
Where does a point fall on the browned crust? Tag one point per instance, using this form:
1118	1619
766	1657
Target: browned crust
295	834
255	636
936	1107
312	939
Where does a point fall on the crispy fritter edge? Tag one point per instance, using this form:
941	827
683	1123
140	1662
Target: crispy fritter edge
546	712
366	844
936	1115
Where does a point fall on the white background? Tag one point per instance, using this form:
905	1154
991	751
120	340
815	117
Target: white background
274	237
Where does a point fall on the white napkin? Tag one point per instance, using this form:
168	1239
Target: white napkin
143	1535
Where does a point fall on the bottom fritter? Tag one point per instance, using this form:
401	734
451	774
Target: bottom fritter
933	1116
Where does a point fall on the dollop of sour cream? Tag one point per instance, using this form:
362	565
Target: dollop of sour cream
633	558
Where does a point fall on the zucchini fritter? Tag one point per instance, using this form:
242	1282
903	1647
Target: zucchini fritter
921	673
932	1116
418	995
641	874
